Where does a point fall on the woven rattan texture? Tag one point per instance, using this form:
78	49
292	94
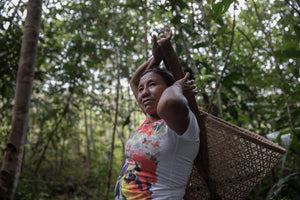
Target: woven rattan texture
238	160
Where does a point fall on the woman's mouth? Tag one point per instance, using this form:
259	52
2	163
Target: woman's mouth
146	101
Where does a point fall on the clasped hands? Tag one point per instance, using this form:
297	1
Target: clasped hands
158	54
157	46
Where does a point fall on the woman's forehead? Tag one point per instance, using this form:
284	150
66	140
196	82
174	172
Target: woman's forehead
151	76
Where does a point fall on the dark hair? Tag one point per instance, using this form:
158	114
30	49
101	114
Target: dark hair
166	75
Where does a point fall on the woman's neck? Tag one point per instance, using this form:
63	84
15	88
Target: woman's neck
153	118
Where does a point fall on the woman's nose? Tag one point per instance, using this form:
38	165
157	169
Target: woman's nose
145	92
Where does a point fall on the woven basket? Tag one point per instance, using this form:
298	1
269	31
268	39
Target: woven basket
230	162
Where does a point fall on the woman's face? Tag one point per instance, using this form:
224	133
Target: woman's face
150	89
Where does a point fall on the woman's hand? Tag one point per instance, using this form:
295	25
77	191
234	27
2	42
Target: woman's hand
166	38
157	46
157	50
173	106
186	85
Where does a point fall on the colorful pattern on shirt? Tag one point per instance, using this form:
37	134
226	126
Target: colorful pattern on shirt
139	171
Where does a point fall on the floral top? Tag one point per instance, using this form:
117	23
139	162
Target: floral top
158	161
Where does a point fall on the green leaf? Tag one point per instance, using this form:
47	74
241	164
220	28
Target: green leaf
229	89
277	137
187	28
243	87
219	20
205	64
230	78
233	111
179	3
176	19
297	31
221	7
201	44
295	145
291	52
217	8
68	68
282	183
226	5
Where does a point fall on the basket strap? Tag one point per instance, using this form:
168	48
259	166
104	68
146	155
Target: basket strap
202	160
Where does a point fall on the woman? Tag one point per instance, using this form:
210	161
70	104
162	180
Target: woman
160	154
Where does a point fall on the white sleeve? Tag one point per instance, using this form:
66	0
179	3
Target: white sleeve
192	132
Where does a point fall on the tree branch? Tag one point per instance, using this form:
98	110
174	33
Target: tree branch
248	39
213	51
223	70
65	111
293	7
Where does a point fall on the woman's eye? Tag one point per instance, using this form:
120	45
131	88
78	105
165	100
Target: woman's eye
140	89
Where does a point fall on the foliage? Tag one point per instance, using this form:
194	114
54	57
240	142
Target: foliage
83	42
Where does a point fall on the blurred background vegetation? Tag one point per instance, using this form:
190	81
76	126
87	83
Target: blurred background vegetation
87	53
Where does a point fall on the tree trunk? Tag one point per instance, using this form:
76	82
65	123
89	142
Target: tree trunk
114	132
62	154
145	27
13	155
88	151
92	131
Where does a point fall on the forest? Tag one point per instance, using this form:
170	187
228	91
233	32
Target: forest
243	55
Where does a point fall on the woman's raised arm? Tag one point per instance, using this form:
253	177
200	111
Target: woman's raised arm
172	63
170	59
155	60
